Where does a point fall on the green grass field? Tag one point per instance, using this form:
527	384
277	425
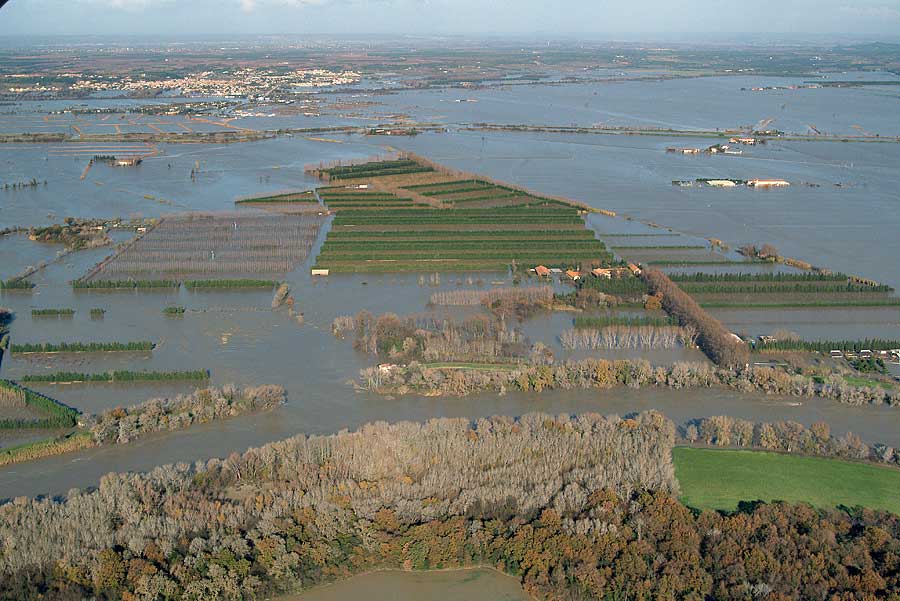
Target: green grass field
718	479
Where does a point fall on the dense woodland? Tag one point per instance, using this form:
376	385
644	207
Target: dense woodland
576	507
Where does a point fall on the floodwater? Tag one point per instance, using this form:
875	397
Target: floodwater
394	585
241	340
703	103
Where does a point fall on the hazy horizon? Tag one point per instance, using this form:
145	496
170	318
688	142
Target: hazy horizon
837	20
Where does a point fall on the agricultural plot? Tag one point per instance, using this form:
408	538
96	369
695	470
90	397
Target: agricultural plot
780	290
220	245
38	410
286	198
372	169
414	216
478	194
342	199
453	239
720	479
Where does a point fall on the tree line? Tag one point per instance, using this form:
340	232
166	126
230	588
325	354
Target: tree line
122	425
703	277
636	373
82	347
785	436
720	345
117	376
825	346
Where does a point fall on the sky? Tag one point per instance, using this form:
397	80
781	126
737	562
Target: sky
609	19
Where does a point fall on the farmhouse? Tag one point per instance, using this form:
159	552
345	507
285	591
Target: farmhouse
573	275
542	271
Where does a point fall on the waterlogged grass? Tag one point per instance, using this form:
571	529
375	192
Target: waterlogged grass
720	479
867	382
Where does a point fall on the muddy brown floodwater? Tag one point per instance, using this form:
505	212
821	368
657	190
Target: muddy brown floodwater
394	585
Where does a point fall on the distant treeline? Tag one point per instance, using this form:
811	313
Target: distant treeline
67	377
191	284
701	277
825	346
782	288
56	414
81	347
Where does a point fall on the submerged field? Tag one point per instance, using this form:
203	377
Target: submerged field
720	479
219	245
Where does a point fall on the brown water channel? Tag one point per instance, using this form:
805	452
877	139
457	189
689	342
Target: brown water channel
394	585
